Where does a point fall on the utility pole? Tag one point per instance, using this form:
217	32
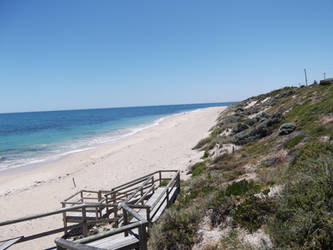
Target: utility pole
306	78
324	75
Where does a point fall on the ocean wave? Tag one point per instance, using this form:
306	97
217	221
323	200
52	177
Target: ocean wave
76	131
71	147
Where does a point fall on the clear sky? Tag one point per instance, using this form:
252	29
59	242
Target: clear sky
73	54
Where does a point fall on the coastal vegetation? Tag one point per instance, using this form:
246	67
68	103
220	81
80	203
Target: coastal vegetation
265	178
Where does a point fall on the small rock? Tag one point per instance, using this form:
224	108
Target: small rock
287	128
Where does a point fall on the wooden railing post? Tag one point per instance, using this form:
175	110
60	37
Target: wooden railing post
148	214
125	221
64	218
99	197
116	215
141	194
178	182
60	248
84	222
142	237
167	196
160	175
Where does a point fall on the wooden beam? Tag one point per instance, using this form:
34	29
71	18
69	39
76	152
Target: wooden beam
65	244
110	233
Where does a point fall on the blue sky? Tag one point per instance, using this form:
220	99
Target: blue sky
68	54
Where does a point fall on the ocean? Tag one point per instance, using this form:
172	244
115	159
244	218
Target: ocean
36	137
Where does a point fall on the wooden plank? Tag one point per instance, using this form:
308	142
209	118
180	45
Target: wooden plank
159	207
172	182
78	218
65	244
40	215
110	233
7	243
158	203
72	196
53	231
150	191
135	214
138	189
120	243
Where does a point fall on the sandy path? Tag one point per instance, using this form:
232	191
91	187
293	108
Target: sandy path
164	146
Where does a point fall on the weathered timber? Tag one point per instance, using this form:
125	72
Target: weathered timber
140	199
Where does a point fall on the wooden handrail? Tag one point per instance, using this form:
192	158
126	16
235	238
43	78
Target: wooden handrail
112	232
145	195
59	211
132	212
164	191
146	187
143	177
70	197
138	189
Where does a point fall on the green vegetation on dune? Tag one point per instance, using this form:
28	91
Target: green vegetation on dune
278	186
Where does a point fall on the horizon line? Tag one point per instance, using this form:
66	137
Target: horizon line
129	106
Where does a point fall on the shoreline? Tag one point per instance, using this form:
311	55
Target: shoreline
168	145
62	155
112	137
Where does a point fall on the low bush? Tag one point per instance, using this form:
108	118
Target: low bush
242	187
216	132
294	141
253	212
304	216
175	229
221	206
198	168
164	183
202	143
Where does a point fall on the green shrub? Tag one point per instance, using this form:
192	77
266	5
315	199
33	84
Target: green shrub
202	143
164	182
242	187
175	229
198	187
294	141
216	132
253	212
231	175
222	157
319	130
304	216
310	151
205	155
221	206
266	191
198	168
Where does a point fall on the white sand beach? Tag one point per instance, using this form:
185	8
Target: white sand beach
167	145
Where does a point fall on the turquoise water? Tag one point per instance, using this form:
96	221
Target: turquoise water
35	137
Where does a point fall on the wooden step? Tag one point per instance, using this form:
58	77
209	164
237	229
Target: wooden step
159	208
78	218
111	242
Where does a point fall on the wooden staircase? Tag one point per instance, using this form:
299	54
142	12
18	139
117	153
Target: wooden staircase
130	208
